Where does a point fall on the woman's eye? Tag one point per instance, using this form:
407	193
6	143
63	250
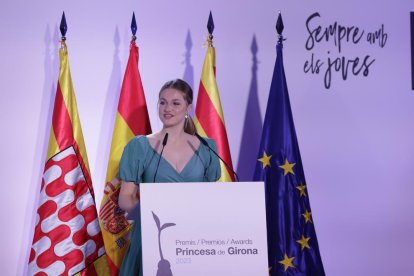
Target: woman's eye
162	103
177	103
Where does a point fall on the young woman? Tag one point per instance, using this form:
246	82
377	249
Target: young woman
184	159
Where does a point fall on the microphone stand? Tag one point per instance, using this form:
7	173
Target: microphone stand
204	142
164	142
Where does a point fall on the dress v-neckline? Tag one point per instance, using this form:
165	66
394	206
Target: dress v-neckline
168	162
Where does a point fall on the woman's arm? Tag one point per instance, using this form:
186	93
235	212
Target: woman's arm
128	196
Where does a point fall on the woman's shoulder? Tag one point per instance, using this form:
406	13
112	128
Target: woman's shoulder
207	145
139	139
139	142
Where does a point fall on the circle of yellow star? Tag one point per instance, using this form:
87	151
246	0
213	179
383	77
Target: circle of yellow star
301	189
287	167
308	216
304	242
287	262
265	160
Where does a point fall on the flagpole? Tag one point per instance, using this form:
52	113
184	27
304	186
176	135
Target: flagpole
279	28
63	26
134	27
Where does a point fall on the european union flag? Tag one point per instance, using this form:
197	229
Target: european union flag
292	245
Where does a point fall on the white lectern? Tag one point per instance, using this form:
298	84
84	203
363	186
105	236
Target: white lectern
204	229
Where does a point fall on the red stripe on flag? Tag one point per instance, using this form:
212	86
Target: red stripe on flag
132	105
107	211
89	271
63	130
212	124
108	206
112	267
62	125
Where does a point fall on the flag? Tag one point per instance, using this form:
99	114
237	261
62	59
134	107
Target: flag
131	119
292	243
209	119
67	237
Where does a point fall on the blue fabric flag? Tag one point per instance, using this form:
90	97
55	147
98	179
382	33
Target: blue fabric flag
292	244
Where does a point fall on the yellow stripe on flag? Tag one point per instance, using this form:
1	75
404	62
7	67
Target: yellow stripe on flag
101	268
225	176
121	136
66	86
115	253
200	129
209	81
209	118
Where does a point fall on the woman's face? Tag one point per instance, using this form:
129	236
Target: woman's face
172	107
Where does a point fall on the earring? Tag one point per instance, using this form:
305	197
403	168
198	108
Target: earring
186	121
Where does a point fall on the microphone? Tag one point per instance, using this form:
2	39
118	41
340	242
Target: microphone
204	142
164	142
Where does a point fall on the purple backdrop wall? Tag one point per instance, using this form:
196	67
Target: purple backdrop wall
356	137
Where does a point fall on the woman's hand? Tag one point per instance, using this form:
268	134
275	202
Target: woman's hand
128	196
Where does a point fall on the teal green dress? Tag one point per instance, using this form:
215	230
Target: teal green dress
138	164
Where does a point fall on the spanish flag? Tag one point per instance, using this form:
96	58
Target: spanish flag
67	237
131	119
209	119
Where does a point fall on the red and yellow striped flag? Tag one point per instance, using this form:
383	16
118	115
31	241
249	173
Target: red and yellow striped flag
131	119
209	119
67	238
